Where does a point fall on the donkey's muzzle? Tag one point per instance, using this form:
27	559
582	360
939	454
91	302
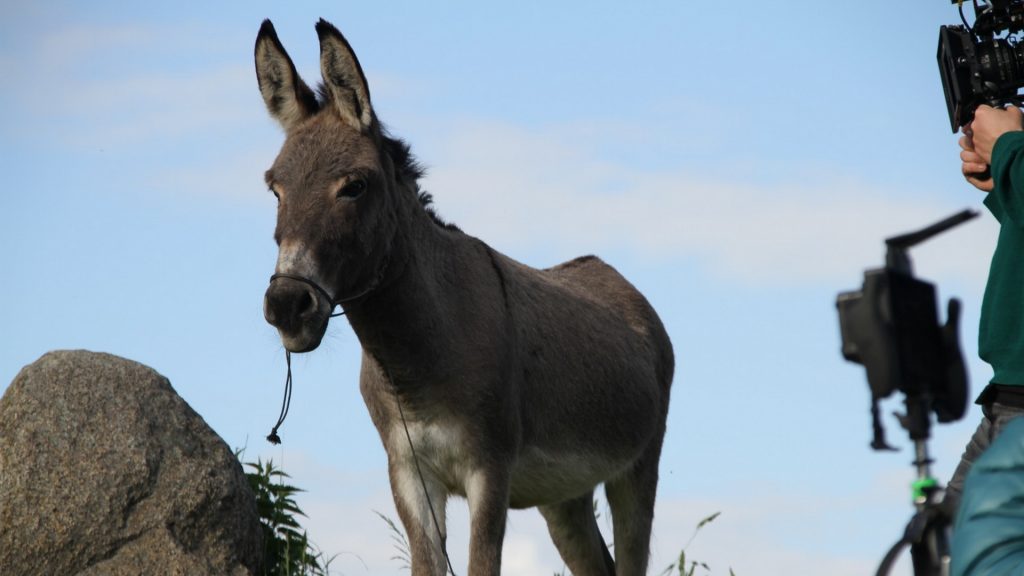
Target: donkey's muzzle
298	311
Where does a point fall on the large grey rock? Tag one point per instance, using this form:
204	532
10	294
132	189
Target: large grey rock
104	469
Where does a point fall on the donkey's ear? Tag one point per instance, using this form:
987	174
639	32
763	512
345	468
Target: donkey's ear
344	78
288	98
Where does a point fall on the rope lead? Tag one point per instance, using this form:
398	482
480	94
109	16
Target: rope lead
273	438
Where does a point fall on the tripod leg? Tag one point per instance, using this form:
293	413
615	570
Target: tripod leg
890	558
930	554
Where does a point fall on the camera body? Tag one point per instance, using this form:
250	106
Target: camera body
891	327
983	63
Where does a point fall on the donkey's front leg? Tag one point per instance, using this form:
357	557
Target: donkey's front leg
487	493
426	539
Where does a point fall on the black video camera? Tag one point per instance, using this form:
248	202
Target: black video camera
983	63
891	326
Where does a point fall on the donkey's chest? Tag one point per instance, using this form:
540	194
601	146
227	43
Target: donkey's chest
441	449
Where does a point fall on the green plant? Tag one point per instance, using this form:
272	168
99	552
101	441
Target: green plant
401	543
690	569
287	550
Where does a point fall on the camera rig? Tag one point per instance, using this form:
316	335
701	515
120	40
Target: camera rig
983	63
891	326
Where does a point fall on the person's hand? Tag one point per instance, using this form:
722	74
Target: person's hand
973	165
988	125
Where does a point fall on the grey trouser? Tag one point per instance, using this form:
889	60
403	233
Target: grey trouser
996	417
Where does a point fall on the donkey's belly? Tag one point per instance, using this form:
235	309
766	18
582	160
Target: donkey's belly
540	477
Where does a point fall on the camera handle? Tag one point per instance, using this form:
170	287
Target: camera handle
986	174
927	533
897	246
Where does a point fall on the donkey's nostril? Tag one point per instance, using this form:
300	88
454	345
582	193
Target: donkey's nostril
290	305
306	304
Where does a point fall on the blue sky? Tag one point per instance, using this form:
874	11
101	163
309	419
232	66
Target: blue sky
740	162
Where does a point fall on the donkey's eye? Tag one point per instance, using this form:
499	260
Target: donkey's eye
276	195
352	189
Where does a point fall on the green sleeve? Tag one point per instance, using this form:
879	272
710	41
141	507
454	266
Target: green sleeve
1006	203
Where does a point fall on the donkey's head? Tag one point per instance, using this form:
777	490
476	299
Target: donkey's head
335	181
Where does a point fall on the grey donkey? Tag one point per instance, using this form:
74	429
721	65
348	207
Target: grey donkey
506	385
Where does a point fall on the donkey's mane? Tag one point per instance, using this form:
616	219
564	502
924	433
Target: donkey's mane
408	168
409	172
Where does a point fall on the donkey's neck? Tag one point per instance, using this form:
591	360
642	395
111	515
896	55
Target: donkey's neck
407	323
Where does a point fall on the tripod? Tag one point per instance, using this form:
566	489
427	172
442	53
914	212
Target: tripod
891	327
927	533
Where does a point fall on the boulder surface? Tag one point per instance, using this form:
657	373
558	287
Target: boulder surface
104	469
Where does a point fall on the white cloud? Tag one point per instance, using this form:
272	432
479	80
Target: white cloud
160	104
523	190
235	175
527	553
759	533
109	85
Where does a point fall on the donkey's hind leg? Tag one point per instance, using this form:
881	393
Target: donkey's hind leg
573	528
631	498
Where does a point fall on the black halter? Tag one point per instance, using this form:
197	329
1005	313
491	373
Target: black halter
337	301
286	402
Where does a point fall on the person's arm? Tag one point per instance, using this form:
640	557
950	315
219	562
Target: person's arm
1007	198
988	538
